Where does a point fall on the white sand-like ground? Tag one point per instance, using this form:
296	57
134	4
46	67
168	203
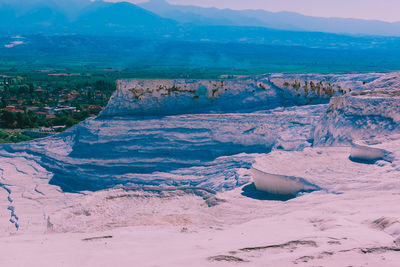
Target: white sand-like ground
354	221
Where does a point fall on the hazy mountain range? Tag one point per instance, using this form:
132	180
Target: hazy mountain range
162	18
156	34
275	20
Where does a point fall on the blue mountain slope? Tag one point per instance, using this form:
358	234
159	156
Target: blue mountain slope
55	16
123	14
101	17
42	16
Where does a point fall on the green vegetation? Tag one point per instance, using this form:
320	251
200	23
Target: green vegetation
33	99
12	137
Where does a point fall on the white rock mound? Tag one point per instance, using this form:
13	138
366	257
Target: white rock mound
277	184
366	154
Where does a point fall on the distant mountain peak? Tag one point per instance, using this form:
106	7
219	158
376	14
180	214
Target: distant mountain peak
158	1
159	5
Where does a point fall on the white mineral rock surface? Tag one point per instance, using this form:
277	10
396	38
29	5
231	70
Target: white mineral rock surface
130	189
278	184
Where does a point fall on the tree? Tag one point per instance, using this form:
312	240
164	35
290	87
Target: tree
9	118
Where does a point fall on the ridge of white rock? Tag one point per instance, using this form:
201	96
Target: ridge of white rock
372	111
246	94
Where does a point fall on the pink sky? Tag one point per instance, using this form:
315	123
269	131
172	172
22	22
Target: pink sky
387	10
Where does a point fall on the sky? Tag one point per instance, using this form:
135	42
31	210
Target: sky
387	10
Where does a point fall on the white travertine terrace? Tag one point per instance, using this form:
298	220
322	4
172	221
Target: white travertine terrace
167	179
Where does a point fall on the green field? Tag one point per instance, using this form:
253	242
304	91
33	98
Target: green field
183	59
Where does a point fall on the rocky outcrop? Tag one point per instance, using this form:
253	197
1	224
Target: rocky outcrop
371	111
244	94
